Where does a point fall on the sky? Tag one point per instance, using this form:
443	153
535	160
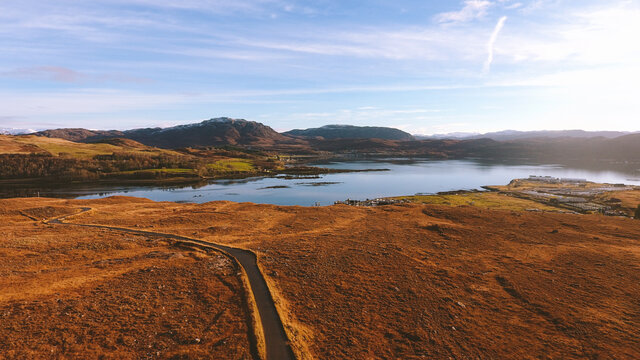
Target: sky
423	66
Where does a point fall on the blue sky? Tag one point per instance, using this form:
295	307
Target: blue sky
422	66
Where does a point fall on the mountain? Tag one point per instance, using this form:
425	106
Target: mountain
213	132
12	131
620	148
545	146
551	134
453	135
352	132
79	135
508	135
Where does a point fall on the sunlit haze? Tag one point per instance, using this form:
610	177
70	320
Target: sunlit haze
422	66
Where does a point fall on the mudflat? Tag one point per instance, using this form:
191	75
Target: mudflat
398	281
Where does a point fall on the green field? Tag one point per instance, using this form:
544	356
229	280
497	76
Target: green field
232	165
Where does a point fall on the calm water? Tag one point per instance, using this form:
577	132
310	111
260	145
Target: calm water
404	178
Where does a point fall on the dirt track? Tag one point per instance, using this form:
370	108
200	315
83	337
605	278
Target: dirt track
277	344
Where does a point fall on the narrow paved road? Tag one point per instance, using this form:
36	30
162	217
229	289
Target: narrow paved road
277	344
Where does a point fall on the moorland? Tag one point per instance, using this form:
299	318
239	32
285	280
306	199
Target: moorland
397	281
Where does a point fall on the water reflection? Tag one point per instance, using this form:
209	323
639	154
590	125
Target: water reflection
406	176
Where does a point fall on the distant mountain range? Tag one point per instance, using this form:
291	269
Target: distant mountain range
228	131
12	131
549	146
352	132
508	135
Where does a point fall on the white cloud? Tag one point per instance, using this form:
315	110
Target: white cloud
617	79
535	5
42	104
593	36
472	10
514	6
65	75
215	6
492	40
291	60
414	43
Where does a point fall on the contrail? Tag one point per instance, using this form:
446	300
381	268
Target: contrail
492	41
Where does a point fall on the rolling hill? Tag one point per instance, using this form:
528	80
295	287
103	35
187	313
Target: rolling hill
31	144
548	146
56	160
79	134
352	132
213	132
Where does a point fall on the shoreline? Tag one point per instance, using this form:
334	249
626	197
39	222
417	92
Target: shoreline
38	184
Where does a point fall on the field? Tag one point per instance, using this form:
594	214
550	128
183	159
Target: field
406	281
232	165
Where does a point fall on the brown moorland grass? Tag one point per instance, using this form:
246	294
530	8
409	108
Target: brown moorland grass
68	292
426	281
489	200
56	147
629	200
9	145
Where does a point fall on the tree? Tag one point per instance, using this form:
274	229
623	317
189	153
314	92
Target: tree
637	215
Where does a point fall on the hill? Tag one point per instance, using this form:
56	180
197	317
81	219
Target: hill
509	135
213	132
571	145
352	132
580	134
79	134
623	148
31	144
54	160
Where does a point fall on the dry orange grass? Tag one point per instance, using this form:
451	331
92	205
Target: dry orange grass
428	281
31	144
68	292
629	200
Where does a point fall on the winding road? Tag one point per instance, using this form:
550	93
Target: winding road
276	342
